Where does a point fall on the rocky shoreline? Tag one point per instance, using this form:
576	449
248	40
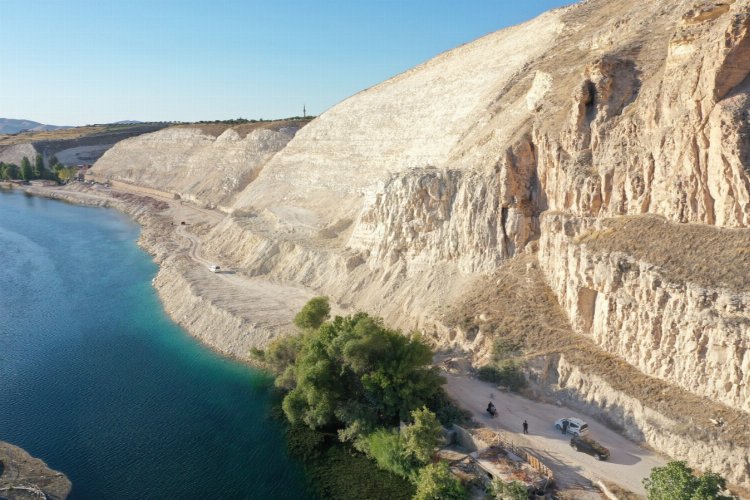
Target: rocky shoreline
24	477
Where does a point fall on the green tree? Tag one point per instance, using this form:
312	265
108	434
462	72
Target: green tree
512	490
64	174
38	166
11	171
435	482
676	480
314	313
422	436
53	161
26	172
387	449
353	372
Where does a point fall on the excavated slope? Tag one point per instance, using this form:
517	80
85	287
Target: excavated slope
194	163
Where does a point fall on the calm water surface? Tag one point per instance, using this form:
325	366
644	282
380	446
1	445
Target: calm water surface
99	383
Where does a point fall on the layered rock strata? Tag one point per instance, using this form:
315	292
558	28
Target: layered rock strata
193	163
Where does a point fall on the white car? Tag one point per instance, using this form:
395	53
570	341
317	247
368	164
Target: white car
572	425
214	268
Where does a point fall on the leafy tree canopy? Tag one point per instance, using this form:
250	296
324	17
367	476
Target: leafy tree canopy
676	480
435	482
422	436
314	313
354	372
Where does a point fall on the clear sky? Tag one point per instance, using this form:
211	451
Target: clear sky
74	62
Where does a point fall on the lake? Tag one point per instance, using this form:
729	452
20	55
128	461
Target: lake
99	383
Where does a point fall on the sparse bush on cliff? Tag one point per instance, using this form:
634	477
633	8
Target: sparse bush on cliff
507	373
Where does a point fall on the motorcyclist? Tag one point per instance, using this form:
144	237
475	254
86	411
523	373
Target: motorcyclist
491	409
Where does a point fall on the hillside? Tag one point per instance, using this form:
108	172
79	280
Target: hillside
591	166
205	163
12	126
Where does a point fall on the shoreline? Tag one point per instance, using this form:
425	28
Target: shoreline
160	239
25	476
178	283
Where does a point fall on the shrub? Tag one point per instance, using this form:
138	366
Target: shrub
421	437
435	482
507	373
676	480
512	490
314	313
388	451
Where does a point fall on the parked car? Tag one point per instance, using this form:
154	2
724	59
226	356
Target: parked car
572	425
214	268
588	445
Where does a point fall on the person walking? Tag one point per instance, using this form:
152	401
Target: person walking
525	427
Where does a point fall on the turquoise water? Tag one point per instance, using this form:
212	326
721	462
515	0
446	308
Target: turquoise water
99	383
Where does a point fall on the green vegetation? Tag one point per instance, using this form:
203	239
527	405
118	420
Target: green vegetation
355	373
335	470
313	314
435	482
505	368
512	490
28	171
353	378
676	480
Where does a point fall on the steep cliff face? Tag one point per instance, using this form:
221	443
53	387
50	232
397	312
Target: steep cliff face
195	164
681	321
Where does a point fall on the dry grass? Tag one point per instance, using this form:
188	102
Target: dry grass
518	307
74	133
216	129
696	253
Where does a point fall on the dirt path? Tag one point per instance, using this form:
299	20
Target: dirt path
628	463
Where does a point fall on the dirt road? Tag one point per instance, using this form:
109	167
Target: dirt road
627	466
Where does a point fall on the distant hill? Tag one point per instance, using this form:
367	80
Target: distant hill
12	126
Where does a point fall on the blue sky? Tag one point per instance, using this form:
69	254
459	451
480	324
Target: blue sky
73	62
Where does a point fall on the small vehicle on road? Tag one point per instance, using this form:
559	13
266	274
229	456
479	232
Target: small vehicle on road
588	445
572	425
214	268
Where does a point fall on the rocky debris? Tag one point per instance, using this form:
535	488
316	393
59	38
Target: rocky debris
23	477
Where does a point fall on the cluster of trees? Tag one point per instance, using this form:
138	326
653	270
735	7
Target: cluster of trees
357	378
28	171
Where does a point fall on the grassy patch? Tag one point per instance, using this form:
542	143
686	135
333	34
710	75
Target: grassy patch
336	471
708	256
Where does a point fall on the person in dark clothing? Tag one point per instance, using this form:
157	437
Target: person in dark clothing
525	427
491	409
565	427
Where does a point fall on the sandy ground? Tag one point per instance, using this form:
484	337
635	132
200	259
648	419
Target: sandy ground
628	463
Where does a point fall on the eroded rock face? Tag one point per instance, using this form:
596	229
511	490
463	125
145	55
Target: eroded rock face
693	335
194	164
